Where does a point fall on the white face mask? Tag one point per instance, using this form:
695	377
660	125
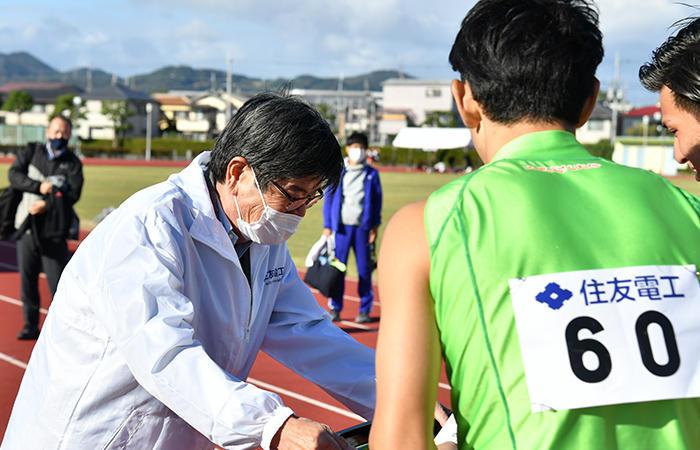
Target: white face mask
273	227
356	154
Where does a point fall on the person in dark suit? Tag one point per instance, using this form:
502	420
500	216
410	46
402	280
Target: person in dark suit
40	171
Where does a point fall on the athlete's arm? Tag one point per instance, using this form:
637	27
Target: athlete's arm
408	351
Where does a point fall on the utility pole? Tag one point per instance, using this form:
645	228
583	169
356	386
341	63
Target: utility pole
340	110
615	96
149	111
229	81
88	80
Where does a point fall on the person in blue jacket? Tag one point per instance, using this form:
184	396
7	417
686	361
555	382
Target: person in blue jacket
353	213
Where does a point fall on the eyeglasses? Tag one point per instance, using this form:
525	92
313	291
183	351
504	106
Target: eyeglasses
297	202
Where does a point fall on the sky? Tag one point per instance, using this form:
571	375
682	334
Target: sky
285	38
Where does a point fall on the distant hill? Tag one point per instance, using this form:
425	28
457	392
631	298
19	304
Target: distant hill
23	66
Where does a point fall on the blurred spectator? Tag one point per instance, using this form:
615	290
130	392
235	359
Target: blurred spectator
352	213
51	177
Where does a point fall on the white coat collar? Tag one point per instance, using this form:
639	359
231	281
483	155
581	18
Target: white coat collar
206	227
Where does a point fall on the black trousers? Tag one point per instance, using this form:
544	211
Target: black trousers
33	255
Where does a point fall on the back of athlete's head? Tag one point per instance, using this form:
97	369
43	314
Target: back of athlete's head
529	60
676	65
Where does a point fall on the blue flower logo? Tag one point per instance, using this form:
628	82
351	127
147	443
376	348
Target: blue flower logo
554	296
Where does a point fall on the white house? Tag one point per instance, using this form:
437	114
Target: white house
418	96
353	110
598	127
97	125
198	115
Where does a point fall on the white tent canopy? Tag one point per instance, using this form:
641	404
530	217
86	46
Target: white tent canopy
432	139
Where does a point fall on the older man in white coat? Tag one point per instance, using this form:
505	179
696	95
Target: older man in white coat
162	310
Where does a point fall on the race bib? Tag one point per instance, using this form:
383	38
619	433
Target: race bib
609	336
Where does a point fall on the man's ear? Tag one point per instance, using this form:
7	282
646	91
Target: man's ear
589	106
468	109
234	171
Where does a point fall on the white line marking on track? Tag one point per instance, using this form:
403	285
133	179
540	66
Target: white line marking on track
262	384
445	386
14	301
13	361
352	298
8	266
272	387
357	325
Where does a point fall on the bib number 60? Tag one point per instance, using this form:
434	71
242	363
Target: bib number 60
577	347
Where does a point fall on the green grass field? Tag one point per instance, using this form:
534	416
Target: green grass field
109	186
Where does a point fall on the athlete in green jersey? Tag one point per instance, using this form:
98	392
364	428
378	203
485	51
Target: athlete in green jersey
560	288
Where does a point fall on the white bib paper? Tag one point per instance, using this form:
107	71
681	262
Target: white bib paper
609	336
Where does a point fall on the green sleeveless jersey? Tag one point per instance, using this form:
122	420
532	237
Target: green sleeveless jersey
546	206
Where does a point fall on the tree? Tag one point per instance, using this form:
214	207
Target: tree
65	103
440	119
18	102
118	111
327	113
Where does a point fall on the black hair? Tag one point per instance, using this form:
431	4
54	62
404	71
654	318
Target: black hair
358	138
676	64
65	120
282	138
532	60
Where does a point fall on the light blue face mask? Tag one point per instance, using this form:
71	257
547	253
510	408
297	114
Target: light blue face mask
273	227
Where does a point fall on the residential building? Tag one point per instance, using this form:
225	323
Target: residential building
97	125
421	97
197	115
599	126
44	96
347	111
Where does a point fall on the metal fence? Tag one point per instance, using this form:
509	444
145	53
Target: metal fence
20	135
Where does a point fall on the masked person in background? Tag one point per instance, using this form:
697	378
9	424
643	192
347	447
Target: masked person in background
40	171
164	307
352	214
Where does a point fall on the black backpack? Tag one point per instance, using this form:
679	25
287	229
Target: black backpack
9	200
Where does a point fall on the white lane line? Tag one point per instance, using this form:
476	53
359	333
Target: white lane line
272	387
13	361
8	266
262	384
445	386
352	298
14	301
357	325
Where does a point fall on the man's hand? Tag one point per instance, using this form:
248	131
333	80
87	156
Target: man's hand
38	207
327	232
45	188
304	434
372	235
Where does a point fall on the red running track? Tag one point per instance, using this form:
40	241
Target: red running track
303	397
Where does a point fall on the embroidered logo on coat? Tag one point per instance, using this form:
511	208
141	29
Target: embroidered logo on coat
274	275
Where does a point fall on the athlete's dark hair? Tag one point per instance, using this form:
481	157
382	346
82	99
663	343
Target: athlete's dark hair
358	138
281	137
532	60
676	64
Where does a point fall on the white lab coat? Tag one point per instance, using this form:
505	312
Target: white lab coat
153	331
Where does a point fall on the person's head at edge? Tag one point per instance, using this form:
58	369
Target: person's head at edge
525	65
356	146
674	72
58	133
281	147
